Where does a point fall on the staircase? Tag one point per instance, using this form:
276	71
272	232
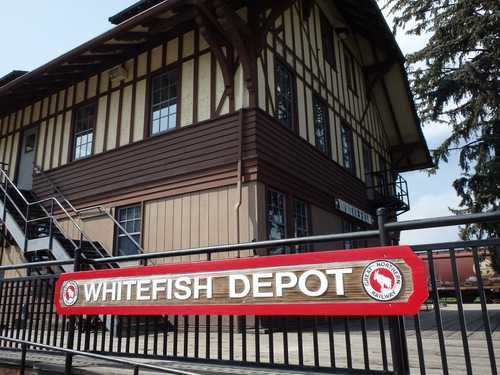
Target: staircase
33	227
31	224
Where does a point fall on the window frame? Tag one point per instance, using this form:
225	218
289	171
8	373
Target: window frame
347	147
305	215
326	125
369	174
290	99
119	233
347	227
152	92
289	221
328	39
271	222
350	226
350	70
80	119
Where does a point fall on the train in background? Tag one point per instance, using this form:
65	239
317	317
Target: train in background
466	274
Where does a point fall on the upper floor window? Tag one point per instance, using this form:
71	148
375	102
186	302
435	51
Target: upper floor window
382	182
164	103
320	126
84	131
284	93
368	166
130	219
350	71
328	41
347	151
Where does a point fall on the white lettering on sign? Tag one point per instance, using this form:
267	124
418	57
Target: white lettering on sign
353	211
240	285
310	283
181	288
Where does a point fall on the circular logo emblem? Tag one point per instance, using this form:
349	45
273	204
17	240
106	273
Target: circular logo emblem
382	280
70	293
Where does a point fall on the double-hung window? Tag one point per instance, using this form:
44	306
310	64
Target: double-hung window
164	103
84	131
130	219
284	92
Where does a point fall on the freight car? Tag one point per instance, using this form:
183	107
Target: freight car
466	275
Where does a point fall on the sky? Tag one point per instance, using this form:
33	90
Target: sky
34	32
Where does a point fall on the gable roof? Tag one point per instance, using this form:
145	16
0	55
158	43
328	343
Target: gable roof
149	23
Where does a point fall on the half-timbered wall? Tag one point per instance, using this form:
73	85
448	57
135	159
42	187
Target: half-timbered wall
122	108
297	44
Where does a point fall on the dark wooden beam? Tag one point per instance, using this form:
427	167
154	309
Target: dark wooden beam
277	11
113	48
307	6
168	24
215	40
237	37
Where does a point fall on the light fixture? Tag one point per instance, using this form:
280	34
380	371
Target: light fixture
117	73
343	32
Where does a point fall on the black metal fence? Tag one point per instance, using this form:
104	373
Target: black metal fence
447	336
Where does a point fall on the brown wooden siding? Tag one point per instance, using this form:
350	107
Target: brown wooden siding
205	156
291	164
194	158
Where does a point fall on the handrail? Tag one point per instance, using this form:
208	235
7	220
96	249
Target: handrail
98	207
52	201
73	352
442	221
36	167
336	237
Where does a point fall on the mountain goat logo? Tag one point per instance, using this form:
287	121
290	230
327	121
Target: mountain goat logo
70	293
382	280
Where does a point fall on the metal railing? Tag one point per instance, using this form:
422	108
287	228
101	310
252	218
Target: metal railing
50	206
354	344
53	203
71	353
99	208
389	189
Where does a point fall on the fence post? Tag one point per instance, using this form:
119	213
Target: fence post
72	320
396	323
22	369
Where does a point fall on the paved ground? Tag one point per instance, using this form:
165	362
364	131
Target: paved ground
45	364
451	336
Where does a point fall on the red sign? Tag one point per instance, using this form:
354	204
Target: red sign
374	281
